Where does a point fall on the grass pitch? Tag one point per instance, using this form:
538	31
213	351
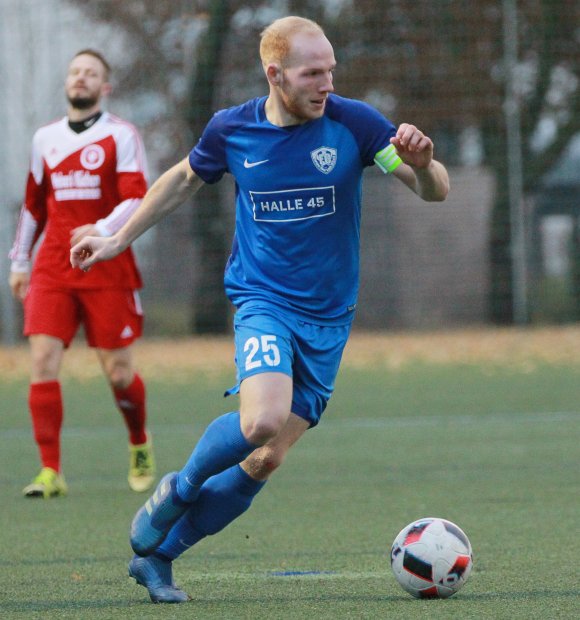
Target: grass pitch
491	445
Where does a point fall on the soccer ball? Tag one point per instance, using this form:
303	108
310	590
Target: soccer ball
431	558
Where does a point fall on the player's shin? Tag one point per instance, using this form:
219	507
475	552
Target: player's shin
222	445
222	499
46	410
131	404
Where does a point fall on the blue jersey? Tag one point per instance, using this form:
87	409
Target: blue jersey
298	203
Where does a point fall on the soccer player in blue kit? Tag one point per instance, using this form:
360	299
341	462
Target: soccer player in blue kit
297	157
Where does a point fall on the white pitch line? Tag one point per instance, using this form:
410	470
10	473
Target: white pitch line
331	423
465	419
309	574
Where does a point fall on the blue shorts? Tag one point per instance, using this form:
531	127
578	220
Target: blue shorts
270	340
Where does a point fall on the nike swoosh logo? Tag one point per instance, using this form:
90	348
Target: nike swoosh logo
247	164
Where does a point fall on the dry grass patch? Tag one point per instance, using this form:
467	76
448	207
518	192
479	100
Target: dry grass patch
523	348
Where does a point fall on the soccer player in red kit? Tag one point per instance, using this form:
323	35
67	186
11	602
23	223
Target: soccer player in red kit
86	178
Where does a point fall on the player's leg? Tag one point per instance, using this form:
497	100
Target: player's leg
265	401
223	445
264	358
227	495
128	390
50	322
222	499
113	320
129	393
46	411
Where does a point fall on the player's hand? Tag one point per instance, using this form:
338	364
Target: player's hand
91	250
413	146
80	232
19	282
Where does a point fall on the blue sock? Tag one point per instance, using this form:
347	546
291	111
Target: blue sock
223	498
221	446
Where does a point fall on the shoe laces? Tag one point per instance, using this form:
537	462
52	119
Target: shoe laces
46	476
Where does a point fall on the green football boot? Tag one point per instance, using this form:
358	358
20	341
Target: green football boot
141	467
49	483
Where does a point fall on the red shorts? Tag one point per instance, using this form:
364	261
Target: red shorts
112	318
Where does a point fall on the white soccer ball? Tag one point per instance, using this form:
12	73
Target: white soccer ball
431	558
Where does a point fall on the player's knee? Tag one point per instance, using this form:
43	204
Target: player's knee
259	429
119	376
44	365
258	432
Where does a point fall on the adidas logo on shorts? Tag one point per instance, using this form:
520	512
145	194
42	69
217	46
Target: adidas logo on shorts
127	332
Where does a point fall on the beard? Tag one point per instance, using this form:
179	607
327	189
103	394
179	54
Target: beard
294	106
82	103
297	105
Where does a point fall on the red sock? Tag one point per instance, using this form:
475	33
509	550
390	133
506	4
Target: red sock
131	402
46	411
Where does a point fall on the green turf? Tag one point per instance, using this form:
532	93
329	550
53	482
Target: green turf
494	449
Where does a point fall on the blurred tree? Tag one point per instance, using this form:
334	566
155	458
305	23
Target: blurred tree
210	308
441	64
550	115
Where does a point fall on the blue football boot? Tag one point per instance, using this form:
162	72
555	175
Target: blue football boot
153	521
156	575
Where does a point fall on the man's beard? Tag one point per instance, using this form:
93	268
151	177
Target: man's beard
298	109
82	103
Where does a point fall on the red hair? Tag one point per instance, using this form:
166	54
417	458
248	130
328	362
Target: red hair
275	39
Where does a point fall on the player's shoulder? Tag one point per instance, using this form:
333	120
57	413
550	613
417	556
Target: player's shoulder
118	125
369	128
50	128
343	109
227	120
361	119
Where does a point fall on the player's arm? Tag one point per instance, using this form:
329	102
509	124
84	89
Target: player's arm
19	278
106	226
19	282
30	225
418	170
167	193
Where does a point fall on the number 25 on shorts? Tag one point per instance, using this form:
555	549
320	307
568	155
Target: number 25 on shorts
263	350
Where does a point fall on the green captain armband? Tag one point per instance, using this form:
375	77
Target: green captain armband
387	159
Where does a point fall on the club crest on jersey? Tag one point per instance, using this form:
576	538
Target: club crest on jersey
324	158
92	156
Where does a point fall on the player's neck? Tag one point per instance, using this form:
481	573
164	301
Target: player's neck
76	115
277	114
87	123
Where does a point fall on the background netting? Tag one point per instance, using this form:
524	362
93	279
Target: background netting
471	75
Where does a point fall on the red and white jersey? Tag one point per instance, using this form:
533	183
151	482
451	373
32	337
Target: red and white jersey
94	177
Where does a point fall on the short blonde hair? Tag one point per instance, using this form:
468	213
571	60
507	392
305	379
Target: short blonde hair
275	39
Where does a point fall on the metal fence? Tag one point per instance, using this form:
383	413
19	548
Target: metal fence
494	83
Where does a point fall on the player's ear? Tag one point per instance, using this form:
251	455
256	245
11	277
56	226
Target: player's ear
274	73
106	89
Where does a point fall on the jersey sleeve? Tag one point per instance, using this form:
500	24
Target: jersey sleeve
131	164
33	213
118	217
26	235
371	130
131	181
36	185
208	157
